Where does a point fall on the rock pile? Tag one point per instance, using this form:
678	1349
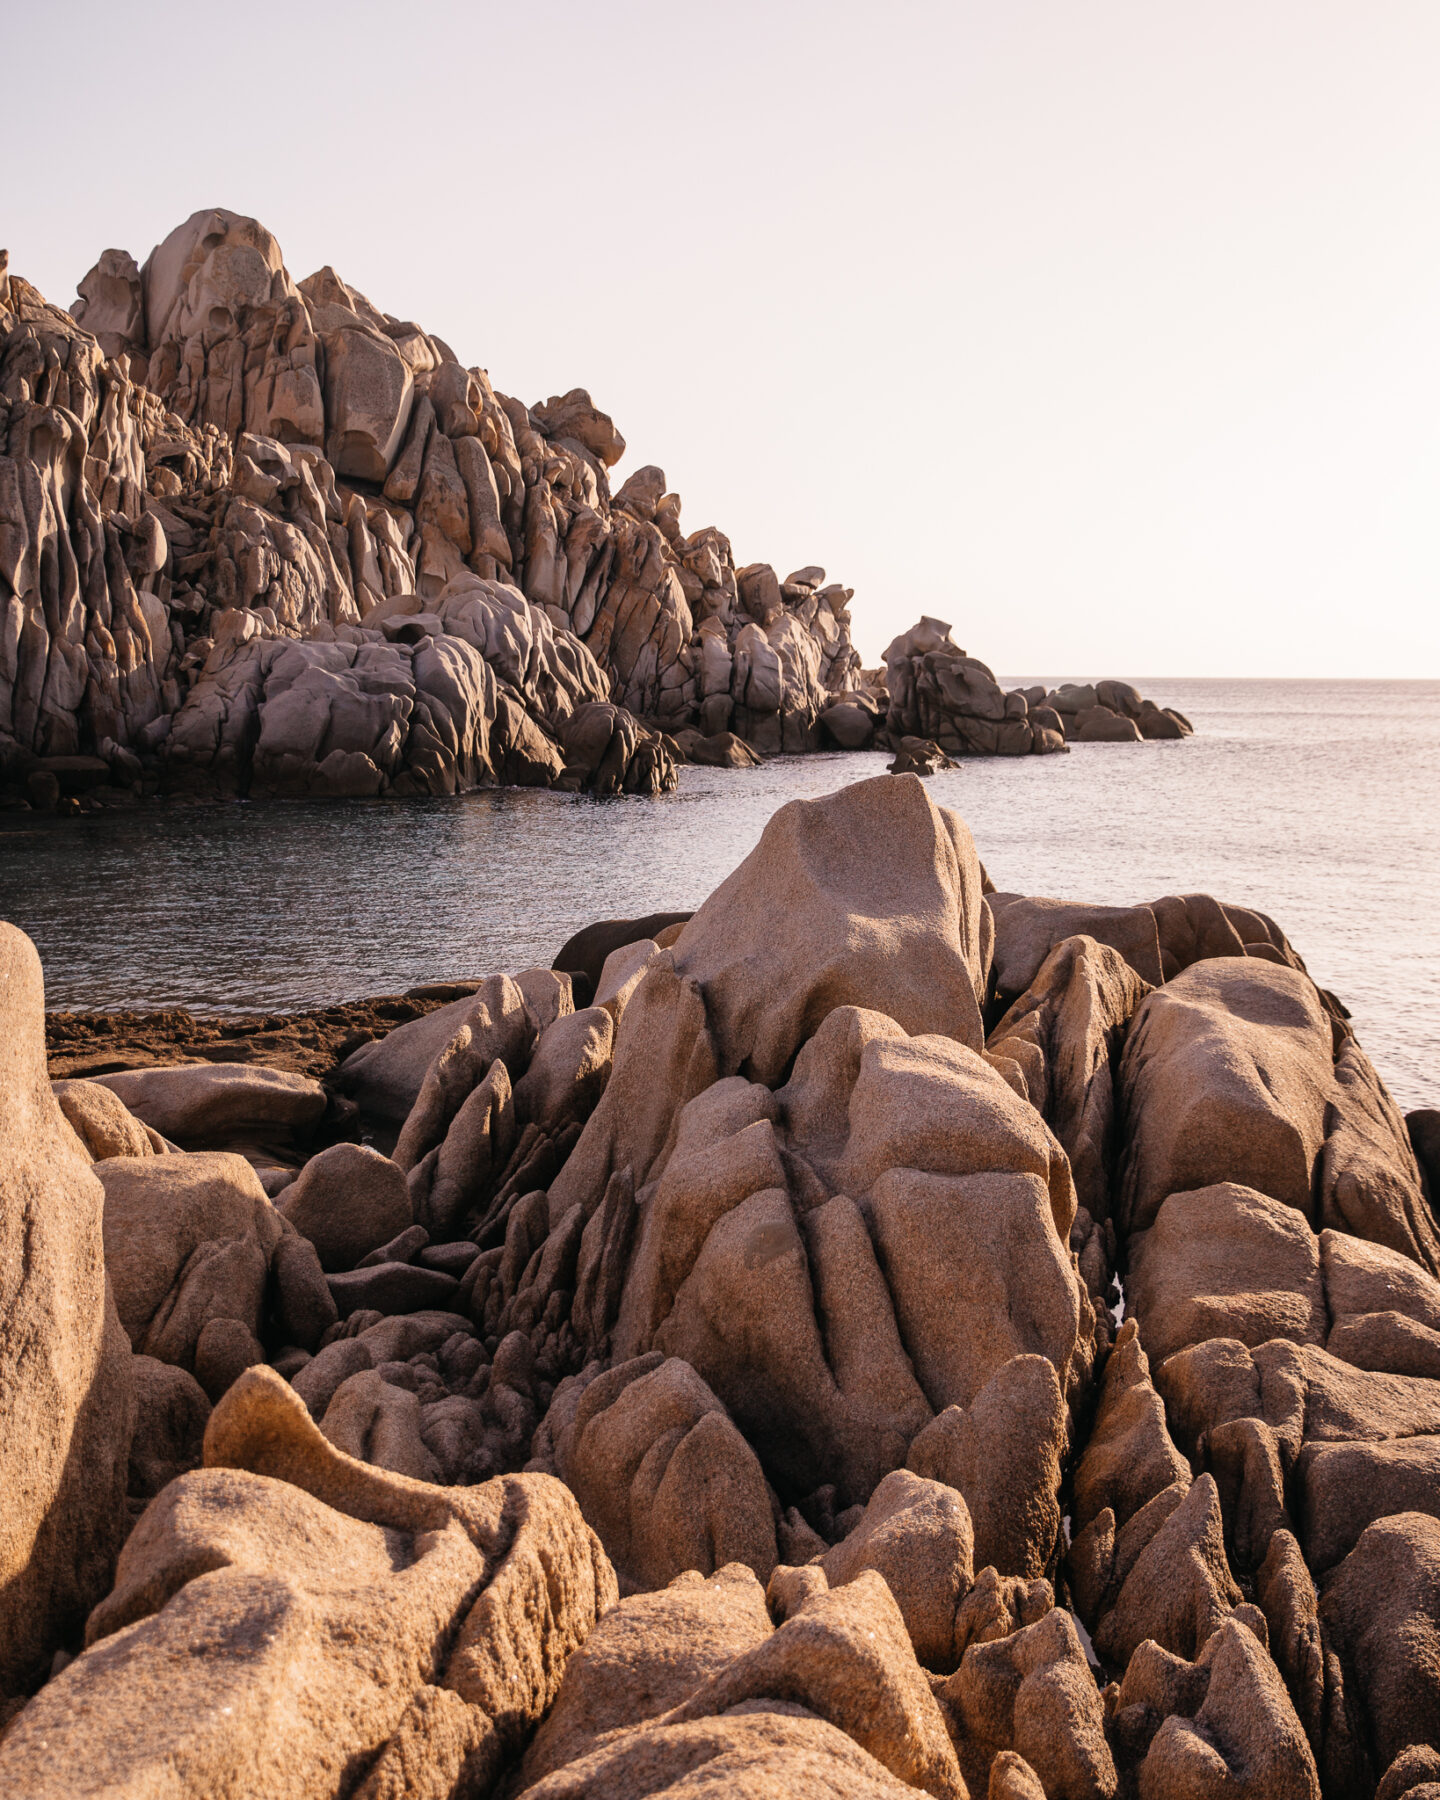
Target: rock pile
934	692
278	541
261	537
764	1373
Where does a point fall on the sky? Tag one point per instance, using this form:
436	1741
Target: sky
1107	331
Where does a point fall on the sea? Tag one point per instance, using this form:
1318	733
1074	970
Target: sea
1317	802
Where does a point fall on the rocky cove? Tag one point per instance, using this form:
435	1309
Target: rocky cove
871	1334
259	537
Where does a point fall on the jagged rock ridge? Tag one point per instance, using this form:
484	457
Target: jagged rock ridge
259	536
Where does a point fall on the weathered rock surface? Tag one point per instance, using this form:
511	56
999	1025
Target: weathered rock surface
938	693
770	1267
361	1630
303	550
221	1106
66	1392
198	1258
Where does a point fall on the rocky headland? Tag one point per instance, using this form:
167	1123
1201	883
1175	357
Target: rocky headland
260	538
873	1335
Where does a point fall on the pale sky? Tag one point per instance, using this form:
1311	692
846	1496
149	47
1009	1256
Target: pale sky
1106	330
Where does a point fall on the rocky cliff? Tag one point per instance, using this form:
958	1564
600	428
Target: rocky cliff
281	541
258	536
873	1335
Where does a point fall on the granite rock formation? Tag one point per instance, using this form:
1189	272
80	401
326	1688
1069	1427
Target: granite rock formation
258	536
761	1376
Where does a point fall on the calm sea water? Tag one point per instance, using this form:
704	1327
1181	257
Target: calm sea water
1318	802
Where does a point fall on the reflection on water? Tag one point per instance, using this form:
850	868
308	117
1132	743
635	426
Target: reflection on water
1314	801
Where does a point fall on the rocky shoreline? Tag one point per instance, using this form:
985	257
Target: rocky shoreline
872	1335
260	538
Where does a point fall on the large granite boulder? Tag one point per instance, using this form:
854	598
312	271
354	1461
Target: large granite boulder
66	1393
353	1620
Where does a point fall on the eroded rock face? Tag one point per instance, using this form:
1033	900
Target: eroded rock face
354	1621
203	436
938	693
300	454
66	1394
198	1256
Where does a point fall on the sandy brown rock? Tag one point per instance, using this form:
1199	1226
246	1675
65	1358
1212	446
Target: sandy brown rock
846	1657
221	1106
568	1071
765	1750
585	952
66	1388
1225	1724
647	1655
1003	1455
103	1123
192	1240
347	1201
1227	1074
379	1423
484	1593
916	1534
1178	1589
497	1026
1066	1032
171	1413
1370	1181
661	1474
1033	1693
384	1076
1029	929
810	921
1226	1262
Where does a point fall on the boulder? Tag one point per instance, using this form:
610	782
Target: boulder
1032	1693
916	1534
1225	1262
1178	1587
568	1071
352	1619
103	1123
1098	725
1028	930
171	1413
378	1423
811	921
648	1654
386	1076
849	726
221	1106
585	953
1226	1076
391	1287
1003	1455
348	1201
66	1385
193	1240
661	1474
1129	1457
383	1076
369	391
778	1749
1380	1615
1222	1725
1066	1033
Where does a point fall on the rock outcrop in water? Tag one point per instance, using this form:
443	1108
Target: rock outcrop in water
720	1379
257	536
